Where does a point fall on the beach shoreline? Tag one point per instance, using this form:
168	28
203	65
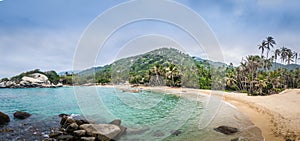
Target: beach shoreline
276	115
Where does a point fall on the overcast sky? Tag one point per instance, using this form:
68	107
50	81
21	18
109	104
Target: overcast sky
44	34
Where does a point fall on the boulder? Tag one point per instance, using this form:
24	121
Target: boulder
79	133
226	130
88	138
4	118
21	115
101	131
65	138
55	134
72	127
81	121
116	122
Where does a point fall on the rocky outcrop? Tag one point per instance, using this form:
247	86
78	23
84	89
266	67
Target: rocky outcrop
226	130
4	119
101	131
31	81
21	115
73	127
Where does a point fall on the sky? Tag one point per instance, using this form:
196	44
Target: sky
45	34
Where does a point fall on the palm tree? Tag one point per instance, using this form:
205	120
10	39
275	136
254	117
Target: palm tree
276	55
262	46
295	56
283	54
290	56
172	73
270	42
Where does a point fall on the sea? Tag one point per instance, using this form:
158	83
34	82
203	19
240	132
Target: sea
148	115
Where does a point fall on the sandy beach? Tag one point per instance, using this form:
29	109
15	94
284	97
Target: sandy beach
278	115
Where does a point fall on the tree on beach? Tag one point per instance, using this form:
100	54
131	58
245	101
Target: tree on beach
270	42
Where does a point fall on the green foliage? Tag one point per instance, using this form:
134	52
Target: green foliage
53	77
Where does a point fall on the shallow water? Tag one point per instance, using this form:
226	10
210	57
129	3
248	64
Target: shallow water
160	114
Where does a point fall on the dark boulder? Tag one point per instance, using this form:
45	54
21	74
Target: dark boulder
81	121
4	118
63	115
21	115
226	130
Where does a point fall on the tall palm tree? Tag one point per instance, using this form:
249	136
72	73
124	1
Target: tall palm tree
276	55
290	56
283	54
270	42
295	56
171	73
262	46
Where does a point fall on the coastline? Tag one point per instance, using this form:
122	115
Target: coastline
272	114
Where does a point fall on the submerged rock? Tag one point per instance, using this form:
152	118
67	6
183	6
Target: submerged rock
4	118
88	138
226	130
21	115
65	138
176	132
101	131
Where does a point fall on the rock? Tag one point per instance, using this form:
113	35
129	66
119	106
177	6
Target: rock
79	133
48	139
116	122
72	127
21	115
55	134
6	130
66	121
65	138
4	119
123	131
226	130
101	131
88	138
63	115
175	132
81	121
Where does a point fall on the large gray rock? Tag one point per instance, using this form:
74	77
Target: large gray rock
21	115
116	122
101	131
4	118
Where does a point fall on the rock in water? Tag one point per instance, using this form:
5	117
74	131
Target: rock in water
101	131
226	130
116	122
21	115
4	118
88	138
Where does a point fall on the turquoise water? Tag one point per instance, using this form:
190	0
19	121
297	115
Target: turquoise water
155	115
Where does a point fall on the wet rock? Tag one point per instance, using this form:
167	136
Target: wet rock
63	115
81	121
6	130
176	132
48	139
79	133
21	115
4	119
226	130
65	138
72	127
116	122
122	132
55	134
88	138
101	131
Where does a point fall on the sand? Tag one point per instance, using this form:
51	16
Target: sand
278	115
